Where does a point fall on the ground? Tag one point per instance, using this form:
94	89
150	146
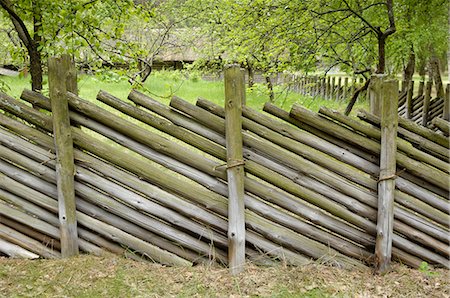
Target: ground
113	276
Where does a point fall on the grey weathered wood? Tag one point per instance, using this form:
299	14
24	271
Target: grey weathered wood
424	132
49	175
234	100
261	243
60	74
26	242
375	93
262	187
428	173
16	251
386	184
284	115
442	124
398	240
446	111
411	136
374	133
50	242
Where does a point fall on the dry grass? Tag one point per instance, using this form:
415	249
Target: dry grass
112	276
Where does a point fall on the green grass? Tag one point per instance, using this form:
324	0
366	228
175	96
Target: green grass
113	276
162	85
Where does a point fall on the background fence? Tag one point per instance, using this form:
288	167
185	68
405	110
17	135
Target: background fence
422	105
150	182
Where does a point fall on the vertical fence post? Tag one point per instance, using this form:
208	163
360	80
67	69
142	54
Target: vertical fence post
426	103
62	78
328	88
333	88
375	93
421	87
445	114
345	90
234	100
338	89
409	100
386	184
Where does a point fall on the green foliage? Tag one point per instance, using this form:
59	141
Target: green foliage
91	31
4	86
426	270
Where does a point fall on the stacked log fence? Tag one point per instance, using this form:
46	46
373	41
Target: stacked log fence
150	183
417	104
339	88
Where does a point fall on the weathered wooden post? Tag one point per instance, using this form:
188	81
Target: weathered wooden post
333	87
421	87
345	90
328	88
338	89
426	103
375	93
62	78
409	100
386	182
445	114
234	100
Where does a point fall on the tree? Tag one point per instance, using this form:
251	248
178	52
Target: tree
46	27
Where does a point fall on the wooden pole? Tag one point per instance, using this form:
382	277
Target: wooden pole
375	94
446	113
426	103
386	184
62	78
234	100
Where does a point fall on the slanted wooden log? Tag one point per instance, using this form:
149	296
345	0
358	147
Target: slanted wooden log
442	125
398	240
406	244
284	115
269	248
58	76
372	132
419	169
44	227
133	199
386	184
257	188
424	132
30	232
26	242
15	251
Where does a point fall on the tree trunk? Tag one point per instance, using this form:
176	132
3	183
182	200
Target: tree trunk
381	53
35	68
35	54
270	88
251	76
408	71
29	42
435	74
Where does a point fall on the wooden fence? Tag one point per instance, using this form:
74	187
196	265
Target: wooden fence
150	183
418	105
328	87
